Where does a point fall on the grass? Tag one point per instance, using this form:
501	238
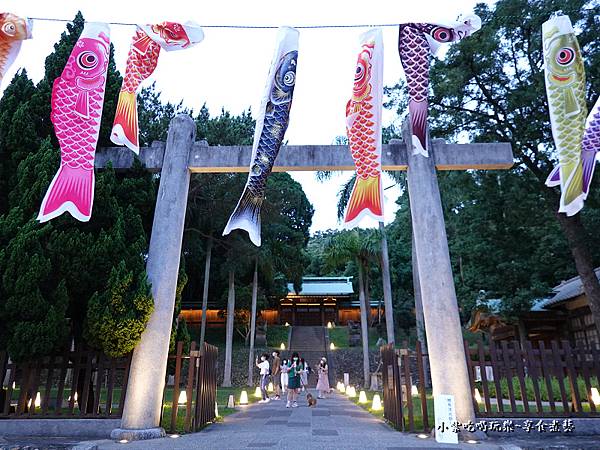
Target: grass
339	337
544	394
276	334
222	399
416	404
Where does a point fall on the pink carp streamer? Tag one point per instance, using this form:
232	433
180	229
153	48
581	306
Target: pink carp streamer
416	42
141	62
77	101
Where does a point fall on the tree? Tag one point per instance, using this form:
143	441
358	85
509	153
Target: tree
117	317
81	256
356	246
491	87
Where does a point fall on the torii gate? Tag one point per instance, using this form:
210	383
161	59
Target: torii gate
182	155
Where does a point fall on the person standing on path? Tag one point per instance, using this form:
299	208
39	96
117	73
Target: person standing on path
323	382
264	376
276	374
304	374
284	375
295	370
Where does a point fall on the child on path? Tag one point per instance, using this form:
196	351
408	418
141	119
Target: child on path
264	376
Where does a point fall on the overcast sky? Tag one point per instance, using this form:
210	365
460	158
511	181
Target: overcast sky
228	69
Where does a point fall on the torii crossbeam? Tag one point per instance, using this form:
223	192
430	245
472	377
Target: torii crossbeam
181	156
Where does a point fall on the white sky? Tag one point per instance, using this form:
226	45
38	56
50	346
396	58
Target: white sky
229	67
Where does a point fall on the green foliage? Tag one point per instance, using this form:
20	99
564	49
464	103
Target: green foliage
49	272
504	240
117	316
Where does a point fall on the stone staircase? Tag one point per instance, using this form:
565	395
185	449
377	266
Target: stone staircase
309	342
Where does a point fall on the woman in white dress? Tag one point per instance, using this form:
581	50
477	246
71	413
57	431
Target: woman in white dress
284	375
323	383
304	375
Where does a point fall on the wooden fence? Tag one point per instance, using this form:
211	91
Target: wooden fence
554	380
196	375
398	388
87	384
74	384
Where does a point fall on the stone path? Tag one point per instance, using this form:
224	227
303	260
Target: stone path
309	342
336	423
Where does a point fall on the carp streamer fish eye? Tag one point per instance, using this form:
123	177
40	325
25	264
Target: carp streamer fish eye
289	78
442	34
9	28
87	60
565	56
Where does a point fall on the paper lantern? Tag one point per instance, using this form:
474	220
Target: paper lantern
362	398
414	391
287	324
282	346
231	401
123	441
332	346
270	387
376	405
595	396
174	436
478	396
257	392
216	409
351	391
38	400
422	436
244	398
341	387
182	398
329	325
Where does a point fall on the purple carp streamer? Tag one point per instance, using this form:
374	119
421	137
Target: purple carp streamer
416	42
590	147
565	88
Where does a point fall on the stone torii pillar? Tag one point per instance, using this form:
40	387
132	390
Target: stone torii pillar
182	156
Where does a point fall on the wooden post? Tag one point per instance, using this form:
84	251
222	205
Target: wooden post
141	413
449	373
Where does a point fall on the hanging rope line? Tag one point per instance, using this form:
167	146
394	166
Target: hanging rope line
271	27
252	27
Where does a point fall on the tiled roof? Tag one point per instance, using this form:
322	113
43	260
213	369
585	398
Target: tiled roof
324	286
566	290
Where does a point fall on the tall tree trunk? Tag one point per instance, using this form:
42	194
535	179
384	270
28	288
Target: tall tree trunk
229	329
387	286
209	244
363	324
579	245
253	323
420	318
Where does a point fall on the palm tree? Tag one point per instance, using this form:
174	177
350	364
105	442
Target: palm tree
359	246
343	198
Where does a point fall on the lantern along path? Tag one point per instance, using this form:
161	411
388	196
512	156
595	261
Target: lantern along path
335	423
